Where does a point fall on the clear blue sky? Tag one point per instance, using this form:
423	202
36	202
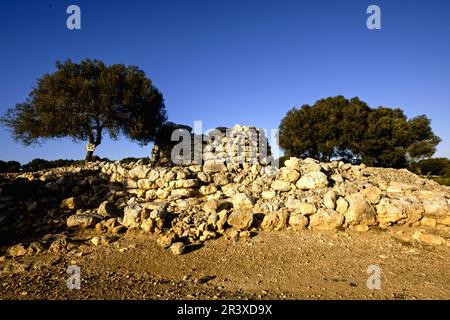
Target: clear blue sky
235	61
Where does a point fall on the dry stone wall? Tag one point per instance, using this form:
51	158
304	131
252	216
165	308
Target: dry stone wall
193	203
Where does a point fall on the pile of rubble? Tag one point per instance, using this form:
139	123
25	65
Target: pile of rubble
190	204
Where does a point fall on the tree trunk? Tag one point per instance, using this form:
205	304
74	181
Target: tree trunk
89	155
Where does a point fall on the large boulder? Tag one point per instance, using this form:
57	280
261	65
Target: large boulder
298	221
326	219
312	180
241	219
359	211
275	220
132	216
390	211
242	201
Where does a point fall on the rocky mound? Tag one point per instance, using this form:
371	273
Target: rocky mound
187	205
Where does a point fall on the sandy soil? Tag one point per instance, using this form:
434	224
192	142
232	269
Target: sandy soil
270	265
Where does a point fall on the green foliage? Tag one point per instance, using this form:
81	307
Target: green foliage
445	181
9	166
83	101
434	166
351	130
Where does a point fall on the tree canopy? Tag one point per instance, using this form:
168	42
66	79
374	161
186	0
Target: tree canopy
86	100
349	129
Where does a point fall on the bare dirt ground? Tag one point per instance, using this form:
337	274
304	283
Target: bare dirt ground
272	265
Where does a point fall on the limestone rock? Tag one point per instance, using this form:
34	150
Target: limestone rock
390	211
341	205
17	250
177	248
241	219
326	219
372	194
281	185
82	220
298	221
212	166
359	212
307	208
70	203
139	172
267	195
107	209
242	201
312	180
276	220
132	216
329	199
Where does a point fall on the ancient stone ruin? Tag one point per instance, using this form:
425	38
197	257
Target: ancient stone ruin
190	204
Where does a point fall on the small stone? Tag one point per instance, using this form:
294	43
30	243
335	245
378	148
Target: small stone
69	203
82	221
166	241
267	195
148	225
244	234
177	248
